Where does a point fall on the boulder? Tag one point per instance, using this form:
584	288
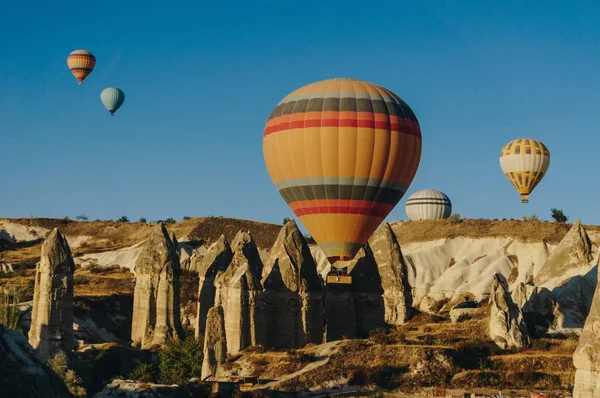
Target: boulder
119	388
507	326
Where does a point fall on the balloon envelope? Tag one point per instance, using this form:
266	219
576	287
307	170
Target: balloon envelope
524	162
81	63
342	153
112	98
428	204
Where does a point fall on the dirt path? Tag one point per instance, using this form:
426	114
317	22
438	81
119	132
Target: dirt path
321	354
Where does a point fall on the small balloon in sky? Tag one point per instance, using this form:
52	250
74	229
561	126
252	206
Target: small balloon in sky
81	63
112	98
524	162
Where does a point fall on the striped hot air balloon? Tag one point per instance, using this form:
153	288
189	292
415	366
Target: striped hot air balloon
112	98
428	204
342	152
81	63
524	162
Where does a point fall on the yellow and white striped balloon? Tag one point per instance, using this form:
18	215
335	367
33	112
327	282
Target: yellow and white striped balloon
524	162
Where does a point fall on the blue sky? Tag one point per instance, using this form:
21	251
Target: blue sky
201	79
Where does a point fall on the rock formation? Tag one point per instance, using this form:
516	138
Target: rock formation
507	326
215	344
520	296
293	294
367	292
156	313
573	251
239	292
119	388
587	354
24	374
217	258
52	315
393	274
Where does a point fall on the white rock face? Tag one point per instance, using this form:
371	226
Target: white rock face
393	275
507	326
215	344
217	259
239	292
52	315
293	294
156	308
587	355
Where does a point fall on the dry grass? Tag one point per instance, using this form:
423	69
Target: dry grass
210	229
93	284
526	231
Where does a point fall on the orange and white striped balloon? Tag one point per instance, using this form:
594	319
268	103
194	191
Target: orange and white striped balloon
342	153
81	63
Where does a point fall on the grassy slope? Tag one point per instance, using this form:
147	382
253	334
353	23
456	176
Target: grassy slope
526	231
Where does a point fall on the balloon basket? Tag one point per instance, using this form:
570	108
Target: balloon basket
343	279
339	276
524	200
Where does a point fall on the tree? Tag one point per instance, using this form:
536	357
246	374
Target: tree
143	220
170	221
285	220
123	219
82	217
558	215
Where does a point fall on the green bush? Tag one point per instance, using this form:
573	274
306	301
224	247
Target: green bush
180	361
454	219
9	309
59	365
143	373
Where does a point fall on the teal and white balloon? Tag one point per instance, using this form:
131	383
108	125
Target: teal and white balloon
112	98
428	204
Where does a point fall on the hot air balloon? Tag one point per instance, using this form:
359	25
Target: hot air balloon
524	162
81	63
342	153
428	204
112	98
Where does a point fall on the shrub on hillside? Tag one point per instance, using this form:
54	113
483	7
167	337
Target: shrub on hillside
180	361
454	219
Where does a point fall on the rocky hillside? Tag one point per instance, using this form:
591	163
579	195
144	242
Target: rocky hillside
429	267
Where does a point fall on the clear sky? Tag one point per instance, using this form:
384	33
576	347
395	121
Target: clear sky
201	79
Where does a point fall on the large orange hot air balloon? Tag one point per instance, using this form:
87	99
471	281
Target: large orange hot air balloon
81	63
342	153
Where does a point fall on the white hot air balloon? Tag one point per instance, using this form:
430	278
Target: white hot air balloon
112	98
428	204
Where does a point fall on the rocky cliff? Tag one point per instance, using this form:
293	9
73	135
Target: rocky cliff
507	325
587	355
239	292
156	308
52	314
293	294
217	259
23	373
